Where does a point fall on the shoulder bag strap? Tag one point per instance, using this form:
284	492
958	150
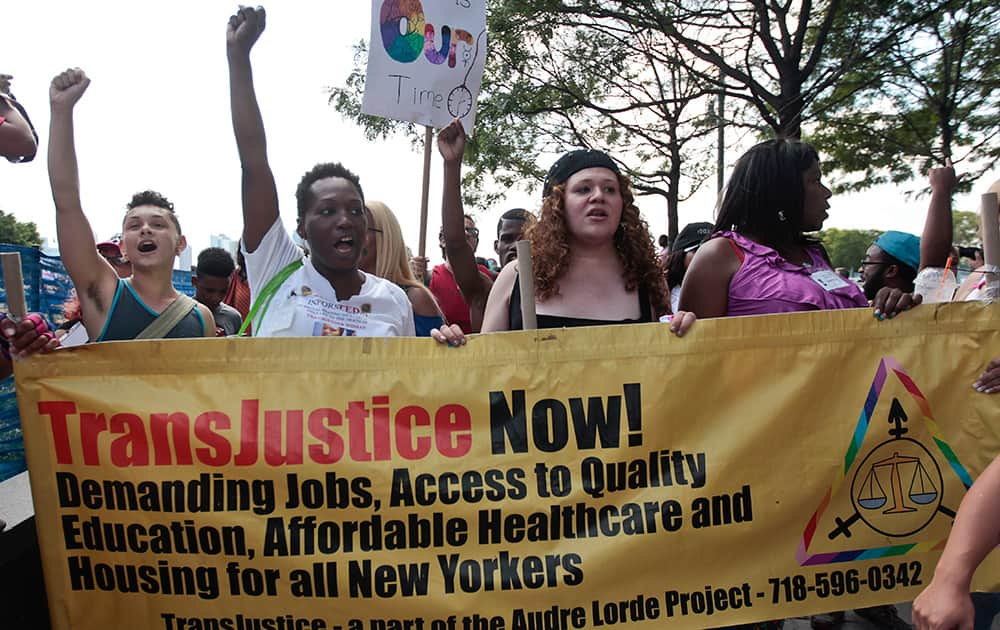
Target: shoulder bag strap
170	317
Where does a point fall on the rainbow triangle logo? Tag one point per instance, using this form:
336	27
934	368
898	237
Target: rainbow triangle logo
878	491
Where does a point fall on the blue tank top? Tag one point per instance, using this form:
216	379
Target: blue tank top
129	316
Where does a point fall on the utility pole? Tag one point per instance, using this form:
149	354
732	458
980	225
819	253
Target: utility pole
720	119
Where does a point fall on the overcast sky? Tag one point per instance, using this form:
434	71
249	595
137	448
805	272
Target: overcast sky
157	116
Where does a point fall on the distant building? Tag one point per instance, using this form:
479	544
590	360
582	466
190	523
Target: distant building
49	248
226	243
184	262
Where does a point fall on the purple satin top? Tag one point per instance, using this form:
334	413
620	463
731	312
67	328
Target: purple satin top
766	283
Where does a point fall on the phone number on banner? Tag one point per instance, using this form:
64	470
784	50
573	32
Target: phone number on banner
795	588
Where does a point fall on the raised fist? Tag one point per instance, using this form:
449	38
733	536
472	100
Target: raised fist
67	88
451	141
245	26
943	178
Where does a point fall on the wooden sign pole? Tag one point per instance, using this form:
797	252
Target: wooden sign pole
526	274
988	210
13	282
428	141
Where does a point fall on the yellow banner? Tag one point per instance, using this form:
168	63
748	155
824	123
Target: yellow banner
758	468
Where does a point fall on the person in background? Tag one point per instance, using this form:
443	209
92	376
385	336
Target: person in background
385	255
510	230
681	254
238	294
212	276
893	260
460	285
664	242
896	258
976	285
18	140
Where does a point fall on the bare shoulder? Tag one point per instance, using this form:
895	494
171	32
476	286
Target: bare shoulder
505	280
705	291
497	306
720	248
422	301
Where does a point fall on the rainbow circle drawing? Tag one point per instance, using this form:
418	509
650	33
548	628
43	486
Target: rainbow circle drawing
396	15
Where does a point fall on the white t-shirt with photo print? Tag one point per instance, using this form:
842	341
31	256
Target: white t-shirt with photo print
306	305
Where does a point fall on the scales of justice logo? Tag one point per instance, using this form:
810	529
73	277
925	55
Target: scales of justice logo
897	486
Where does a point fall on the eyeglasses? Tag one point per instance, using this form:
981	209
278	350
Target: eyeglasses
865	262
469	231
371	229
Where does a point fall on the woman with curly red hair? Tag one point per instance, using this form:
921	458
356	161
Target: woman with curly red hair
593	256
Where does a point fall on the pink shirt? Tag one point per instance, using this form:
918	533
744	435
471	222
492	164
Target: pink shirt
766	283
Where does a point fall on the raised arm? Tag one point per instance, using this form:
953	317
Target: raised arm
945	604
935	241
474	286
260	198
94	278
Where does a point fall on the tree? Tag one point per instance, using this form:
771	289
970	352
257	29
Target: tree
934	95
15	232
634	77
557	80
772	55
965	226
846	248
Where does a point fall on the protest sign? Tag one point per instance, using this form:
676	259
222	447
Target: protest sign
758	468
425	60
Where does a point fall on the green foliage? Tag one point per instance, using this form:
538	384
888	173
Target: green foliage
965	228
15	232
638	79
846	248
934	94
557	78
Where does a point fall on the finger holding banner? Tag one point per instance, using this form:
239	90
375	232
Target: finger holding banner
28	336
943	607
891	302
681	322
450	334
989	381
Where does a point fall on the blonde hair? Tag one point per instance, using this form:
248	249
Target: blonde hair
392	262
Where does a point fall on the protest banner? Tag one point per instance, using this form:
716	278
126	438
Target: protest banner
425	61
758	468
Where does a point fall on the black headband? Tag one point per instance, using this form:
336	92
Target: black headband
575	161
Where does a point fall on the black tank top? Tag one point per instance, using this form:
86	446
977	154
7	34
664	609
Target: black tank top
559	321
